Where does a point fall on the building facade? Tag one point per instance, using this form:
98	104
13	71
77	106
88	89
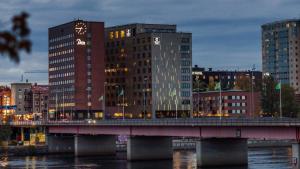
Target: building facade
21	98
234	103
281	51
76	70
148	71
40	94
205	78
6	109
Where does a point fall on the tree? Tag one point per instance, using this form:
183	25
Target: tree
199	86
15	40
243	83
290	107
5	132
271	99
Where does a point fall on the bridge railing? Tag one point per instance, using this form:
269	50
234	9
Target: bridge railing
172	122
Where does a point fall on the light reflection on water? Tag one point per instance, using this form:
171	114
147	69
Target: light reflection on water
262	158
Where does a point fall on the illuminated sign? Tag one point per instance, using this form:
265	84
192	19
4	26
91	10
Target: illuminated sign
128	32
80	42
156	40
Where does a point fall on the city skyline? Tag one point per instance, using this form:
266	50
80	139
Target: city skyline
239	39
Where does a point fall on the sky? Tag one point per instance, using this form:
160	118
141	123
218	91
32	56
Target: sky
226	33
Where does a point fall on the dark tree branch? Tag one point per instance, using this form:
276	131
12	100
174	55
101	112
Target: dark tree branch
15	40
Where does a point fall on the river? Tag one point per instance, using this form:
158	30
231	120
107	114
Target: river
259	158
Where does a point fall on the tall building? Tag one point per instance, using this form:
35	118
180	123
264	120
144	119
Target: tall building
281	51
148	71
76	70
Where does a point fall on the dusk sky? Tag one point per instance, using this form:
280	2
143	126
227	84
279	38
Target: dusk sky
226	33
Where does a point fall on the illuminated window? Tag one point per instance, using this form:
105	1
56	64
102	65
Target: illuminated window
117	34
111	35
122	34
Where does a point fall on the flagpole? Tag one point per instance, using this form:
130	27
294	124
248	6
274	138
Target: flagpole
123	104
280	105
220	105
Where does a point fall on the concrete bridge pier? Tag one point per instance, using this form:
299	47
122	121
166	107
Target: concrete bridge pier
86	145
149	148
296	155
60	144
222	152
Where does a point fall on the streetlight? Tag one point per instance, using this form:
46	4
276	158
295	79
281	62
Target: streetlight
252	100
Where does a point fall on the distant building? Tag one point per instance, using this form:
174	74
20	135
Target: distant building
21	98
281	51
76	70
152	64
203	78
40	100
235	103
6	108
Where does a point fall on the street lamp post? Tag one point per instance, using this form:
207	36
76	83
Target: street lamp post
252	100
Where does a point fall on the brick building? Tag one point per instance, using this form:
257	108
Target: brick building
76	70
234	103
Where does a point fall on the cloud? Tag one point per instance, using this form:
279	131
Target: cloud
225	32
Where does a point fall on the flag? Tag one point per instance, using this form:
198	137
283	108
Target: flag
218	86
121	93
278	86
101	98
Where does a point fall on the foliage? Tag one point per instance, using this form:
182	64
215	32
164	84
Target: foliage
199	86
289	106
271	99
243	83
5	132
15	40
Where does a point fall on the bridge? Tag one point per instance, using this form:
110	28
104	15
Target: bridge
220	141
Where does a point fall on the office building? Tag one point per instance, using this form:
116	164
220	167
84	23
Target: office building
76	70
148	71
281	51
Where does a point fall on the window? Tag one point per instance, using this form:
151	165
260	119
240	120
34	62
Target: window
185	85
184	48
185	40
185	93
111	35
122	33
185	78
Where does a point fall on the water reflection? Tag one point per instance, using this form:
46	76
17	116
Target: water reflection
263	158
165	164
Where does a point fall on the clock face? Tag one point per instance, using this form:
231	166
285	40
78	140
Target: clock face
80	28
